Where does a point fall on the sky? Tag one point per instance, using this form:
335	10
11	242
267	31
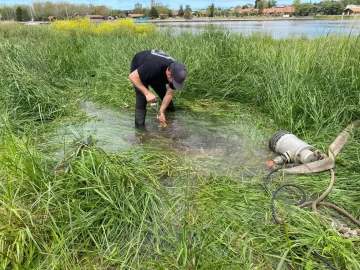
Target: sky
130	4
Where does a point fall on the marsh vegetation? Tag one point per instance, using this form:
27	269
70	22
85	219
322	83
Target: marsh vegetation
145	208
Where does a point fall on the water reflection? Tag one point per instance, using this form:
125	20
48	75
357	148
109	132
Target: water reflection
275	28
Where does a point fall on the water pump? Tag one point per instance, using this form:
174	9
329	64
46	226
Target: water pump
292	149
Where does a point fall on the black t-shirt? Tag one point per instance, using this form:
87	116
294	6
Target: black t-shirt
151	66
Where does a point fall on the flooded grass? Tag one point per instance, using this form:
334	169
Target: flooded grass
191	196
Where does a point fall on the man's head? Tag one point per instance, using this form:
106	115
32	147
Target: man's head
177	73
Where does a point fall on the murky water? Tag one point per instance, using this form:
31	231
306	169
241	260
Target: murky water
204	140
277	28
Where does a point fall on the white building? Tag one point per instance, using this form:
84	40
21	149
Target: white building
154	3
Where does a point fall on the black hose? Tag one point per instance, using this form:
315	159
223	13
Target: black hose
267	178
324	260
272	205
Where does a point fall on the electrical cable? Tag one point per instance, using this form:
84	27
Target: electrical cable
272	204
324	260
301	204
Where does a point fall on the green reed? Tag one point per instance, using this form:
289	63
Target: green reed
150	210
302	84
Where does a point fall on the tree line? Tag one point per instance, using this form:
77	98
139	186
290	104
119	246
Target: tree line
324	7
41	11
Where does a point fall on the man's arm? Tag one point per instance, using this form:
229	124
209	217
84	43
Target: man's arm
136	81
165	103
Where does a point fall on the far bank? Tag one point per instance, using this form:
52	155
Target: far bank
257	18
208	19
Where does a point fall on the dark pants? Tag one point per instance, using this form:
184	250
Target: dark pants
140	107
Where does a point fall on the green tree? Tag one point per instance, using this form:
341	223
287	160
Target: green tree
271	3
225	13
19	17
153	13
350	2
7	13
211	10
138	11
188	12
305	9
25	15
163	9
296	3
332	8
260	6
181	11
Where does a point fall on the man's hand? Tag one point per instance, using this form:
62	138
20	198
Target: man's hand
161	117
150	97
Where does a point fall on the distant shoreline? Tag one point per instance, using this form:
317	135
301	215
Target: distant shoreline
216	19
231	19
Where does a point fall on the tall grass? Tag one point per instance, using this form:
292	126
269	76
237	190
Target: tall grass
302	84
151	211
117	211
109	210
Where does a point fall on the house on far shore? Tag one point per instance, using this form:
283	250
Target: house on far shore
199	13
136	16
246	10
278	11
95	17
351	10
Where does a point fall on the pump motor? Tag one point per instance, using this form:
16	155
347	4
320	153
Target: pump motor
292	149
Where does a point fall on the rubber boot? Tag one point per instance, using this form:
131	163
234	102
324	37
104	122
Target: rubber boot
171	107
140	118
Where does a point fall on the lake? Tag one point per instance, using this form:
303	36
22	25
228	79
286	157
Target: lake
278	29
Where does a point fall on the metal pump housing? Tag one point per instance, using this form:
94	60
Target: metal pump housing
292	149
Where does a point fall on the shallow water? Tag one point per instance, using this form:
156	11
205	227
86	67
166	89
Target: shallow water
202	139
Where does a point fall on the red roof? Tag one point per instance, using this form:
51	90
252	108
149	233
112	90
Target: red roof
136	15
278	10
95	16
357	9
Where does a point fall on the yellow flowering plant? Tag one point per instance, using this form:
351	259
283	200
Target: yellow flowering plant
84	25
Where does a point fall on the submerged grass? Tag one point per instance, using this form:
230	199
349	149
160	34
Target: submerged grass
151	211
